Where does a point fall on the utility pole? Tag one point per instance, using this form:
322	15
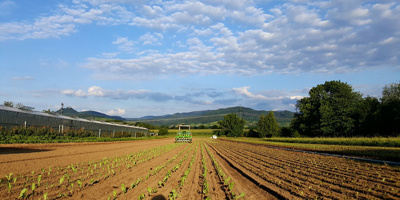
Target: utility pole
62	108
240	112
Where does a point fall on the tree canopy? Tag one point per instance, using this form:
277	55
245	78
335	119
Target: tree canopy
334	109
267	125
232	125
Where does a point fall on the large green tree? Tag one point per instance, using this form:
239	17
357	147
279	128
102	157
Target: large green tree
267	126
390	110
332	109
232	125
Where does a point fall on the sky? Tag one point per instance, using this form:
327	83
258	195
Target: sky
136	58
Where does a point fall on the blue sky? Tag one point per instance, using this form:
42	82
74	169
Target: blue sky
139	58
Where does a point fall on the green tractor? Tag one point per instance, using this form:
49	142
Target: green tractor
184	135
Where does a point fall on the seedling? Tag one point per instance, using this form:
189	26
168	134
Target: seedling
173	195
230	186
150	190
115	194
23	192
61	180
141	196
9	186
9	177
79	183
45	196
33	188
160	184
226	180
240	196
123	188
39	179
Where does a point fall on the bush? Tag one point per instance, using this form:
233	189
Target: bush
163	131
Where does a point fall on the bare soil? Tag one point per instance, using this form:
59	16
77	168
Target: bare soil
159	169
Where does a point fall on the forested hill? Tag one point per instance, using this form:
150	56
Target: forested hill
251	116
87	114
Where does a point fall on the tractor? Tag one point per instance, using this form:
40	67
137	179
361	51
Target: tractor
184	135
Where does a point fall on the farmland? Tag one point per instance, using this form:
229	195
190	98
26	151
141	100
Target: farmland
204	169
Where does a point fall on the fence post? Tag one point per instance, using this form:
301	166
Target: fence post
59	128
25	124
99	132
62	128
135	134
113	133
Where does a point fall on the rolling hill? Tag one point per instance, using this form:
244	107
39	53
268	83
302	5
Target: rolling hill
87	114
212	116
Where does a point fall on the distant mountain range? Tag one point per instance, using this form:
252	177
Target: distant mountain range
87	114
251	116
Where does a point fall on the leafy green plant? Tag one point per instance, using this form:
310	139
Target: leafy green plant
33	187
173	195
9	186
61	180
39	179
142	196
23	192
79	182
230	186
9	177
150	190
240	196
45	196
123	188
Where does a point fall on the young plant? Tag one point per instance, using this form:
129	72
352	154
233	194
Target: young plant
173	195
123	188
9	177
150	190
39	179
9	186
61	180
230	186
23	192
79	182
33	187
45	196
141	196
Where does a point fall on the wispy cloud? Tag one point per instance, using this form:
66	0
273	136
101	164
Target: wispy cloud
22	78
124	44
116	112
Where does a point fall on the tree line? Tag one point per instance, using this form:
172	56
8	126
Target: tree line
333	109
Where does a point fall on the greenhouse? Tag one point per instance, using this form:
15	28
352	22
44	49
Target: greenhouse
12	117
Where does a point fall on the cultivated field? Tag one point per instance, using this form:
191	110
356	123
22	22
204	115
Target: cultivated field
161	169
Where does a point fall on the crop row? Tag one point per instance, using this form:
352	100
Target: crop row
228	186
310	176
58	181
151	190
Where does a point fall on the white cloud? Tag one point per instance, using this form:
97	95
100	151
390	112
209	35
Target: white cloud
7	7
151	39
95	91
244	91
116	112
22	78
124	44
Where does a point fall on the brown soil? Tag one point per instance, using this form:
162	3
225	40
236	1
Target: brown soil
155	168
